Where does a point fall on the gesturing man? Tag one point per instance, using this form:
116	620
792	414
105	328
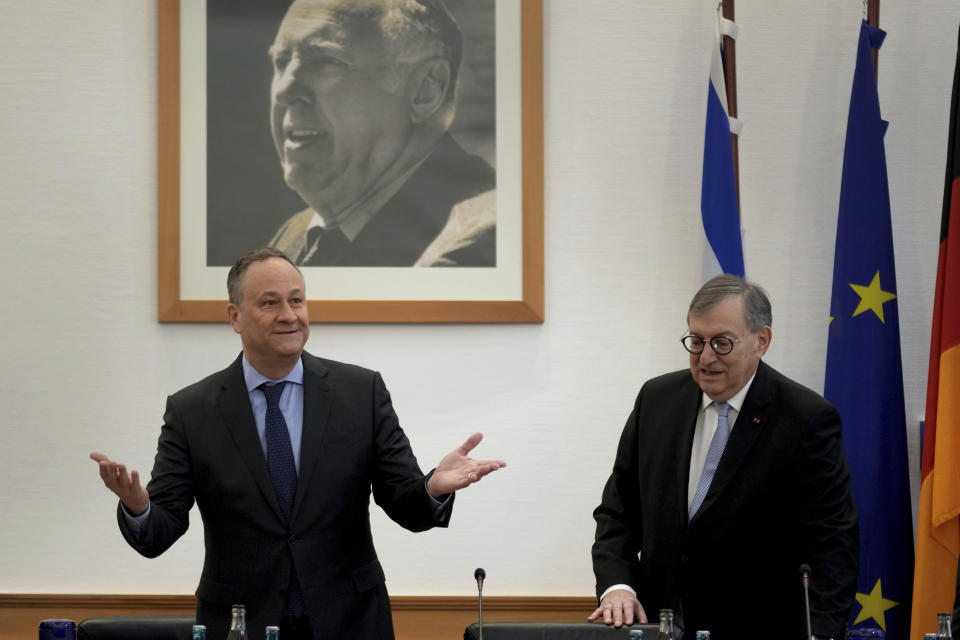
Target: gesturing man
281	451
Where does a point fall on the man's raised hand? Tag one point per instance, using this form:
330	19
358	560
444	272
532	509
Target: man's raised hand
125	484
457	470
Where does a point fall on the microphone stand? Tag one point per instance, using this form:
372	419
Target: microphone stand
479	575
805	577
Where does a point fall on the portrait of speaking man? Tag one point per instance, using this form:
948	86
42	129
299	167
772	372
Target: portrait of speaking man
369	143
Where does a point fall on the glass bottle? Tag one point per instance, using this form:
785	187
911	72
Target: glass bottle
199	632
238	623
667	631
943	626
635	634
703	635
273	633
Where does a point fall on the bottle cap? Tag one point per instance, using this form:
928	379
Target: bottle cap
55	628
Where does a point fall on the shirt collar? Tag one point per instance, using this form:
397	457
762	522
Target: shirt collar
735	402
254	378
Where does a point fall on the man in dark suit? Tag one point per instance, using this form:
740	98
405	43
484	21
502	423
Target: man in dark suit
363	94
727	478
280	451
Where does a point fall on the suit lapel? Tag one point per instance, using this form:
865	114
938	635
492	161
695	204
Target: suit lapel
234	405
317	401
752	419
686	409
417	213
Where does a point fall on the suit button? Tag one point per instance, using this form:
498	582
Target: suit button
293	540
684	559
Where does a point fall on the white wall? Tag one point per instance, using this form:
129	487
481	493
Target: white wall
86	365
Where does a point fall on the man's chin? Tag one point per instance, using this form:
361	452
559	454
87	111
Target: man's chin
710	384
305	178
289	345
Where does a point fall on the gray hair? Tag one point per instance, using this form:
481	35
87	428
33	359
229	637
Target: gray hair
239	269
755	300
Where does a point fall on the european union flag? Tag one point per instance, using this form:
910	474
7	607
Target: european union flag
864	378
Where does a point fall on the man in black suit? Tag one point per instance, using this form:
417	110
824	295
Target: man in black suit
727	478
363	95
280	451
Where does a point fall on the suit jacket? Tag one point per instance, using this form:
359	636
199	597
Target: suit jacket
443	215
209	452
780	497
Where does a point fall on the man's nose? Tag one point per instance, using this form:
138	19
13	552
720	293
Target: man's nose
708	355
286	313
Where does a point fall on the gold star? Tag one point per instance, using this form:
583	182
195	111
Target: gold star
872	297
873	606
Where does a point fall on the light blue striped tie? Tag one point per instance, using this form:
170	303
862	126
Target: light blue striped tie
714	453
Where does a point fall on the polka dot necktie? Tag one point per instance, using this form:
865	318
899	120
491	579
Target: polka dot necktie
283	469
283	473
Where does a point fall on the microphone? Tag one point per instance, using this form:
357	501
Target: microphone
805	577
480	575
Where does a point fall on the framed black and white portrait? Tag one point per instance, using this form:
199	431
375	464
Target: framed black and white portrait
392	148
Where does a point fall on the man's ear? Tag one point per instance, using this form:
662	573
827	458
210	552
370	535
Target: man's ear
763	340
429	83
234	314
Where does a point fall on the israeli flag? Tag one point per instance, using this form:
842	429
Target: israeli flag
718	196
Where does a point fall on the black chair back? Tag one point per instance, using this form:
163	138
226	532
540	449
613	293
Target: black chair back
136	628
555	631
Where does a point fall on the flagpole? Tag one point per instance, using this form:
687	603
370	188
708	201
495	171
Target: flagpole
873	19
730	79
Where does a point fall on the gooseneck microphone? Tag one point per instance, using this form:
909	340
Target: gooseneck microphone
479	575
805	577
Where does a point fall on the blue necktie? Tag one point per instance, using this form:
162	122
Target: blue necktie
714	453
283	473
283	469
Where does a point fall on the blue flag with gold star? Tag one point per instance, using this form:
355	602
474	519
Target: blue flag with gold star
864	378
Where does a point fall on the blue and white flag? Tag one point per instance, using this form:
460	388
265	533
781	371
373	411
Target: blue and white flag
719	207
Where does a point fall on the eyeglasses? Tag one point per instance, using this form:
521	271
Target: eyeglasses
721	345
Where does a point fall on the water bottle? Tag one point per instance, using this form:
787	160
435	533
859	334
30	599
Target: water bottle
238	623
667	632
57	629
273	633
943	626
199	632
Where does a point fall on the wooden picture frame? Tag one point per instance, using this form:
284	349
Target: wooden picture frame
528	308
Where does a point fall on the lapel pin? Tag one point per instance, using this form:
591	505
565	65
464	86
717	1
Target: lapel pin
756	420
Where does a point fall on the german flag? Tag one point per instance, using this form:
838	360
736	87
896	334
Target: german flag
938	531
